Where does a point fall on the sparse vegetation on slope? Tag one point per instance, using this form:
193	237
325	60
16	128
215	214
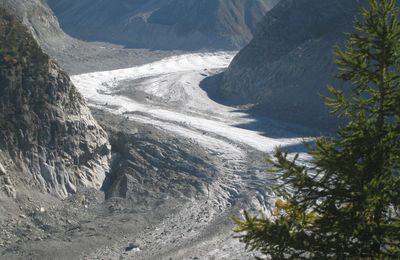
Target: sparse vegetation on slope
16	45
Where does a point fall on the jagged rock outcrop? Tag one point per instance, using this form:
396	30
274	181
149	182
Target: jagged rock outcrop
48	136
163	24
289	63
150	167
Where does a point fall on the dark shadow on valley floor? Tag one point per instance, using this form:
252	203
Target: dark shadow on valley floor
266	126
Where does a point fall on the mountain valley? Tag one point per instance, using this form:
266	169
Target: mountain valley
138	129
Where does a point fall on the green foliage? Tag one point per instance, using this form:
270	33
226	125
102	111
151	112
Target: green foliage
347	205
23	66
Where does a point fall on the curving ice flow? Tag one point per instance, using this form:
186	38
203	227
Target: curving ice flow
167	95
173	100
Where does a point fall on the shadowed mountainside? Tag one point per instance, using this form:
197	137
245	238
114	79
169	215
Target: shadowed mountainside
163	24
289	63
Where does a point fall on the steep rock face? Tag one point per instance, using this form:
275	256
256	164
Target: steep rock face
48	136
289	63
163	24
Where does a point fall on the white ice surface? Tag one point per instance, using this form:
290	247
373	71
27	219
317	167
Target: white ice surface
177	79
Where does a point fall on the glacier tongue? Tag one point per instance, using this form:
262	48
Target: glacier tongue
172	79
166	95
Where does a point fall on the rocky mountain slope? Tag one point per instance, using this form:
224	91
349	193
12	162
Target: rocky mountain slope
48	137
163	24
73	55
289	63
41	22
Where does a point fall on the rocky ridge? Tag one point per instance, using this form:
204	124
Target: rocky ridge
41	23
47	133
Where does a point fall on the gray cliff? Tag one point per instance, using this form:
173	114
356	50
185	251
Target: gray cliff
48	137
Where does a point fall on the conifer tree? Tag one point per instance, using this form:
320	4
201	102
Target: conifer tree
347	205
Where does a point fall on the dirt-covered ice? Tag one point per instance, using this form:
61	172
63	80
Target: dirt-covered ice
166	96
